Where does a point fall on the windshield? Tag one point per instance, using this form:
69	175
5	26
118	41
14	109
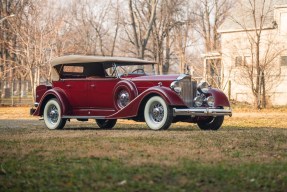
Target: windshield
119	70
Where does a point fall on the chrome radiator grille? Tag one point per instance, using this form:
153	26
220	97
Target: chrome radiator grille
188	91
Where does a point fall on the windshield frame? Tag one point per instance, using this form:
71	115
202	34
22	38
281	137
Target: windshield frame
116	67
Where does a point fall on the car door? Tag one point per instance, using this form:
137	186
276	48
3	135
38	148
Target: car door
100	94
76	91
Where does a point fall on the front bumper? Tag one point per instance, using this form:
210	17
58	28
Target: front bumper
202	112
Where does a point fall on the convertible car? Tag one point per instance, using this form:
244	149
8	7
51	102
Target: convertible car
111	88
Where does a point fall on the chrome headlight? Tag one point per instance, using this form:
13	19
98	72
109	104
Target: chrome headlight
198	101
203	87
176	87
210	101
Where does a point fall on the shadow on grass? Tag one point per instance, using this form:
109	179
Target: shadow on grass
226	129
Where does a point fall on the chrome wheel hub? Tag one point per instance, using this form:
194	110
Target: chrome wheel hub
123	98
53	114
156	112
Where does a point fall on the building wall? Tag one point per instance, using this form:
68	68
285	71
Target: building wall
235	45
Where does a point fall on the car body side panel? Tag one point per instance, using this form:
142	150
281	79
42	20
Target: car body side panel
132	108
220	98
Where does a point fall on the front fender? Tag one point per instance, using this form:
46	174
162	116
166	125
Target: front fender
171	97
220	98
60	95
131	110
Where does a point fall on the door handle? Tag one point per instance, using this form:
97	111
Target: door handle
92	85
68	85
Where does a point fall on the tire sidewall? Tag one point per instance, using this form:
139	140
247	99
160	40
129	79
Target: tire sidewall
49	124
214	124
149	121
106	125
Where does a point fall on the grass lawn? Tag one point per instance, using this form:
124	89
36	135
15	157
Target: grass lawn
249	153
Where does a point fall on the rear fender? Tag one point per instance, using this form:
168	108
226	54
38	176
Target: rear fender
57	93
220	98
132	109
40	91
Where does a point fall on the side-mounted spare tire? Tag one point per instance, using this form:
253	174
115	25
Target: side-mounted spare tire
53	115
124	92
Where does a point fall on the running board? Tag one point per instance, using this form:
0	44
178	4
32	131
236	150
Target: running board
83	117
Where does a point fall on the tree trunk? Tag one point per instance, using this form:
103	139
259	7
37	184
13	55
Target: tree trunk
32	80
167	54
264	100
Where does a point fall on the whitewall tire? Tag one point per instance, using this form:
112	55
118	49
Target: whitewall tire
157	114
52	115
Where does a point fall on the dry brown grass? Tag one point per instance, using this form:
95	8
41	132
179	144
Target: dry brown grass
250	149
246	137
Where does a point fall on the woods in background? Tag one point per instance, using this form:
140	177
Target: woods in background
173	33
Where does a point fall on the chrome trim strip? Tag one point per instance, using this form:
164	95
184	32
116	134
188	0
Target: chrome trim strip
83	117
186	92
202	112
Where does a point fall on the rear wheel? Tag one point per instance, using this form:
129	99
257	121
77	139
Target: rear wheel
211	123
52	115
157	114
106	123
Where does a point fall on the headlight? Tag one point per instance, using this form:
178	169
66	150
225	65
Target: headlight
175	86
198	101
210	101
203	87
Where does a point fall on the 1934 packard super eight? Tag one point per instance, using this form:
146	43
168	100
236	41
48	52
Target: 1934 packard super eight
111	88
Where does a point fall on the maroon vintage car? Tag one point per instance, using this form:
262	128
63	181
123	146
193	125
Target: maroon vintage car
111	88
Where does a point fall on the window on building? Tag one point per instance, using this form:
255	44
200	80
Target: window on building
238	61
283	61
283	23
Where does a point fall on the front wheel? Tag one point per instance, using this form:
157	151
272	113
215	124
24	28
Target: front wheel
211	123
106	123
157	114
52	115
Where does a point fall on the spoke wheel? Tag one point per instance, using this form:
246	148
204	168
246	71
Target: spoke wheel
157	114
52	115
106	123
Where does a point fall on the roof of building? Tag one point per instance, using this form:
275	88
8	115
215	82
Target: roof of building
241	17
97	59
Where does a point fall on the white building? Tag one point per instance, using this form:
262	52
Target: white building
237	51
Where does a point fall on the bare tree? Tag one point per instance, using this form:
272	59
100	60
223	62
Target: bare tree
210	14
8	42
142	16
171	17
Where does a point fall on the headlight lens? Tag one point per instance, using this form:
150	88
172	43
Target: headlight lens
198	101
175	86
210	101
203	87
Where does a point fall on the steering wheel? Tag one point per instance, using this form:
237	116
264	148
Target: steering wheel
138	70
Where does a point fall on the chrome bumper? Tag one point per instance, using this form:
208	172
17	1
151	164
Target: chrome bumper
202	112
